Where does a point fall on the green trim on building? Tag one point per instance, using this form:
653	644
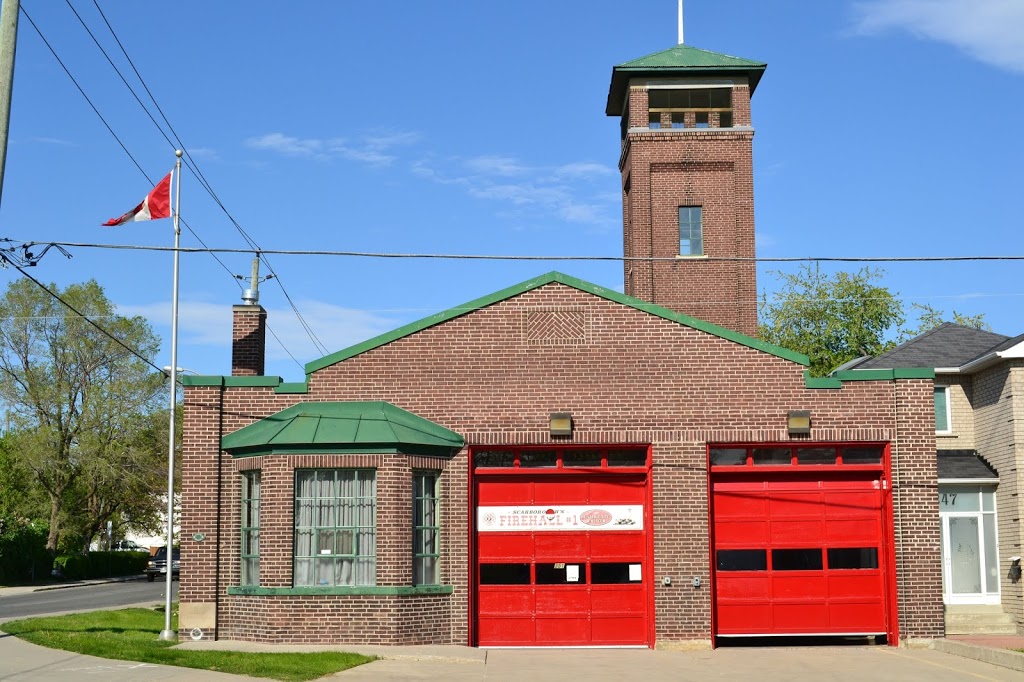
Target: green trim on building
836	379
885	374
820	382
567	280
293	387
681	61
373	590
342	427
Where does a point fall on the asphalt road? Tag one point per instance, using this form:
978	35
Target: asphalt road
84	598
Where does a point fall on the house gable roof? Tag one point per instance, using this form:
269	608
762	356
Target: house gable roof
337	427
537	282
680	60
948	345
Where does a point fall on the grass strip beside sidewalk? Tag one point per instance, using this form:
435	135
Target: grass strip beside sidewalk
131	635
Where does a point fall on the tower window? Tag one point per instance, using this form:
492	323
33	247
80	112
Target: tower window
690	103
691	231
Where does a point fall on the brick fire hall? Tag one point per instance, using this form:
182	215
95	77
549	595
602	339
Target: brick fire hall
560	464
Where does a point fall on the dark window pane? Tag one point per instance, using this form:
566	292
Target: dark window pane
721	98
678	119
627	458
654	120
581	458
855	557
702	119
742	560
658	99
538	458
700	99
815	455
868	455
504	574
613	574
559	574
725	119
494	458
768	456
796	559
727	456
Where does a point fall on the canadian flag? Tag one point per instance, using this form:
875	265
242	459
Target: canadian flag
156	205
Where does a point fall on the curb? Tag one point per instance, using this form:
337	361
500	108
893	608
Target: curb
1005	658
86	583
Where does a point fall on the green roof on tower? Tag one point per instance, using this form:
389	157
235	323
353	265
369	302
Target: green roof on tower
681	60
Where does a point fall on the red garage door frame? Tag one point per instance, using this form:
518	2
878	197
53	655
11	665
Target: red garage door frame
557	466
854	477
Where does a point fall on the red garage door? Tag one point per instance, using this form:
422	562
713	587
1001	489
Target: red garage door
801	542
562	550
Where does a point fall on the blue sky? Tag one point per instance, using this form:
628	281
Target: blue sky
884	128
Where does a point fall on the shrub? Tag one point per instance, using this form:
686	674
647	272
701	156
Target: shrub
23	555
101	564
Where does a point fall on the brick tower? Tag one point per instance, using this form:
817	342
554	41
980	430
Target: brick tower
688	182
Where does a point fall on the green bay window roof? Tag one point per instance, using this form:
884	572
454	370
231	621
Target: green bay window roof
679	61
342	427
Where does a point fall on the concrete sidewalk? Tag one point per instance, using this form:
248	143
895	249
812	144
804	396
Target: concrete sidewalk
25	589
769	664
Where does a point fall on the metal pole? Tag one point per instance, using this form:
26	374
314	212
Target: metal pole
8	43
167	634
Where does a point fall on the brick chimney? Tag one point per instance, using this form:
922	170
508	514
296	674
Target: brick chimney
248	340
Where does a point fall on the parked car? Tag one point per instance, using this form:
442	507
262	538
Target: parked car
126	546
158	564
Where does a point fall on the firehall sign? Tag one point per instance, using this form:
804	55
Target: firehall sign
560	518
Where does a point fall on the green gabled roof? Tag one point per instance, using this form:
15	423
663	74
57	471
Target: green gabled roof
681	60
529	285
339	427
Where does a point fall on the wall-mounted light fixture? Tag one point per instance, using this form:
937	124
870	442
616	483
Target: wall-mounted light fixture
798	422
560	424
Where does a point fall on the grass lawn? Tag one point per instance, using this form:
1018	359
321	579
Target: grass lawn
131	635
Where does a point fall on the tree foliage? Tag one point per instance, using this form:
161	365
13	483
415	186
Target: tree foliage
929	317
837	318
80	404
831	319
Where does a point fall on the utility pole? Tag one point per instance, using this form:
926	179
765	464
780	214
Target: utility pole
8	42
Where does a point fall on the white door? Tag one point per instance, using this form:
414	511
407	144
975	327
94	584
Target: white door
970	573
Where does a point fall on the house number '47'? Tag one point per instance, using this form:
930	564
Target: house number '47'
949	498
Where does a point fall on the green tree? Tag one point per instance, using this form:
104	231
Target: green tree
77	399
929	317
831	319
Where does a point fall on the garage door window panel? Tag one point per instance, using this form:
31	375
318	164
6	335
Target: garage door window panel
797	559
852	558
742	560
504	574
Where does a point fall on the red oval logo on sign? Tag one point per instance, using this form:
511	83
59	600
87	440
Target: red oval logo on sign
596	517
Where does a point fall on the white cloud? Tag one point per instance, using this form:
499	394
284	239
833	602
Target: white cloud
574	192
988	30
52	140
371	148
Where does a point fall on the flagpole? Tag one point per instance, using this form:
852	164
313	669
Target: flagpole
167	634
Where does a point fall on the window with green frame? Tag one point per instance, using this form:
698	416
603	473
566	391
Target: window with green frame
426	528
250	569
691	231
335	527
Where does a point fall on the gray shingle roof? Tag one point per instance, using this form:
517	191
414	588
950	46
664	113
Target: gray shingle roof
963	464
948	345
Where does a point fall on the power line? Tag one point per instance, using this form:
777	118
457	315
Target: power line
129	154
499	257
193	166
83	316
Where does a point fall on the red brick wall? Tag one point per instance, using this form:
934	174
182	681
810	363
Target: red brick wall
711	168
248	340
627	377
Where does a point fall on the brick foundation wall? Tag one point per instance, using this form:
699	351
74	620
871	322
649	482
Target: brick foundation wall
494	376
